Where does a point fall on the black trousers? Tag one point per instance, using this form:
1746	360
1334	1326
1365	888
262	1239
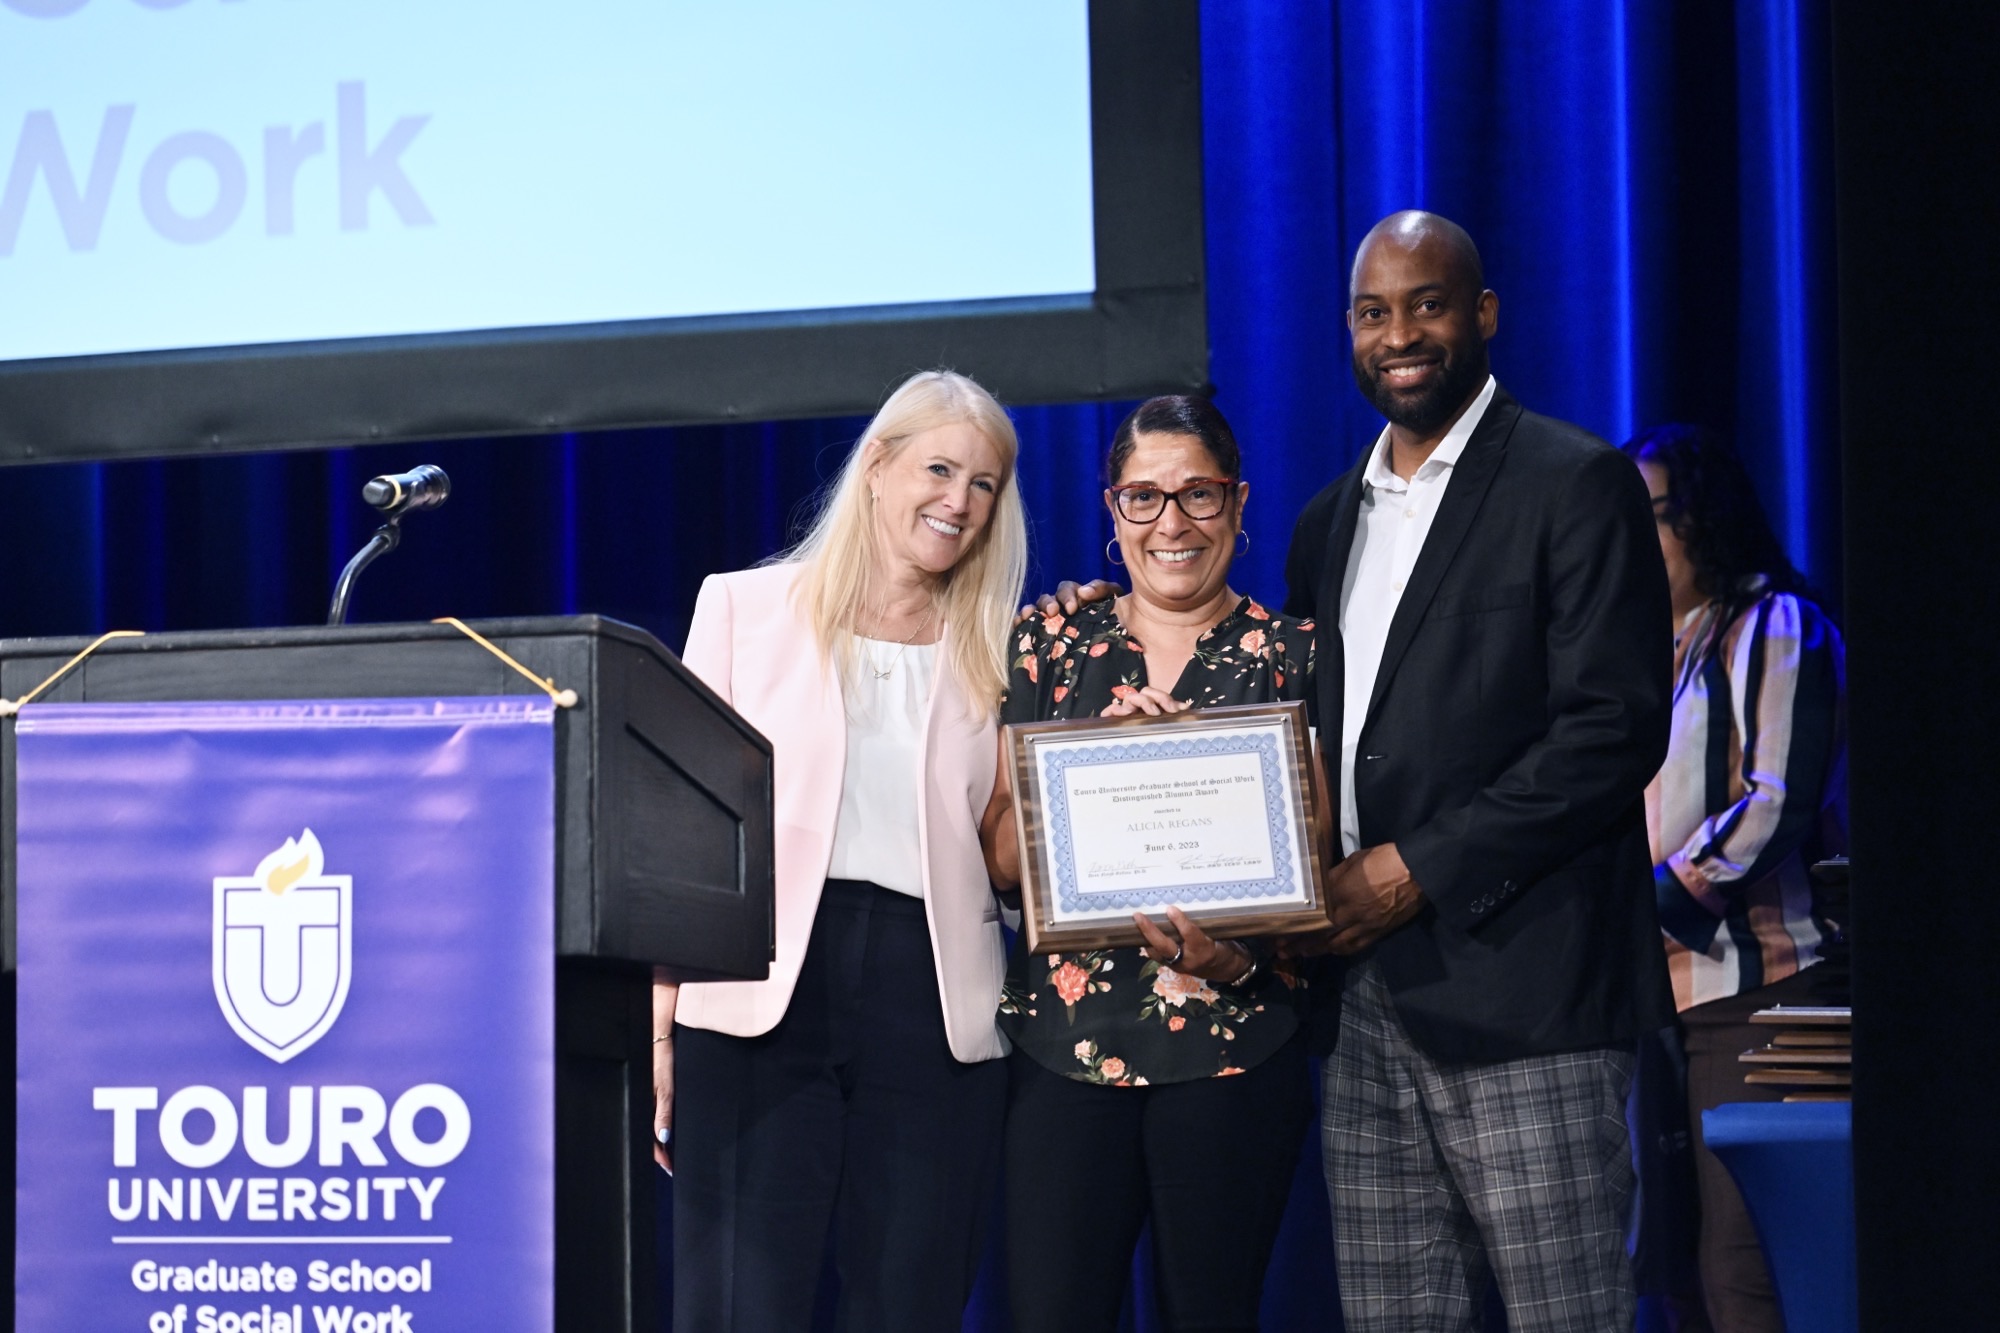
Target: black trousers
850	1119
1210	1161
1735	1280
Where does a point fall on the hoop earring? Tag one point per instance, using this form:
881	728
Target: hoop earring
1242	541
1118	559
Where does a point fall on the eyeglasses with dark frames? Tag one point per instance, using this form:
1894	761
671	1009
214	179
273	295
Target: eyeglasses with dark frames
1143	502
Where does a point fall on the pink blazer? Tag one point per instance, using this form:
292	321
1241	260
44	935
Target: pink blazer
751	645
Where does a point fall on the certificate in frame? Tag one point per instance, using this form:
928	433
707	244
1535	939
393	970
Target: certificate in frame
1212	811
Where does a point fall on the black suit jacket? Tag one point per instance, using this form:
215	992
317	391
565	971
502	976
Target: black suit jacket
1520	709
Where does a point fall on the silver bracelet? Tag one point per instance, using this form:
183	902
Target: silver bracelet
1248	972
664	1036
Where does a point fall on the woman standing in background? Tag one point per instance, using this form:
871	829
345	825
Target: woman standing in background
1752	792
858	1091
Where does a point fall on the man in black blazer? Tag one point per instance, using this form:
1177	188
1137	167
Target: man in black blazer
1493	691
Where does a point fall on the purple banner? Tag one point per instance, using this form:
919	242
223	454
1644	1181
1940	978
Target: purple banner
286	1029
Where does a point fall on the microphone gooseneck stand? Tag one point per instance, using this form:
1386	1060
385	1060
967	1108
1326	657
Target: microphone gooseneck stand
385	539
423	487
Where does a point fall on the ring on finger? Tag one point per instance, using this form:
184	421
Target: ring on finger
1169	962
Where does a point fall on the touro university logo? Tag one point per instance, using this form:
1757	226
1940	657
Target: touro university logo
284	948
398	1177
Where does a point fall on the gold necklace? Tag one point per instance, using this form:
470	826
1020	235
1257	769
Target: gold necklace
903	645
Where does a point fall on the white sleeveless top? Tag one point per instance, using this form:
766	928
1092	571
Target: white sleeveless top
887	702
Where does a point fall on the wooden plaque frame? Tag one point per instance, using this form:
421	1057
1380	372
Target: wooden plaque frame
1222	921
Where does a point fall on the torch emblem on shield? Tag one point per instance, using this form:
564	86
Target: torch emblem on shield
284	948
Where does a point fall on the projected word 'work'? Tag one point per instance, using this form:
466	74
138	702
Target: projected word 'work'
81	190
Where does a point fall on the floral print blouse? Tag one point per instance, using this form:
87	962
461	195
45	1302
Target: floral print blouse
1114	1016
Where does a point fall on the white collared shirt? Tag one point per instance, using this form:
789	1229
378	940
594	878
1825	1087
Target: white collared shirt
1389	535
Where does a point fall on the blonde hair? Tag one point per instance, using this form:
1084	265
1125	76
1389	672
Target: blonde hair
975	597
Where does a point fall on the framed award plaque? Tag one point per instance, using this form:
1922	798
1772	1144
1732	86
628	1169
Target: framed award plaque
1212	811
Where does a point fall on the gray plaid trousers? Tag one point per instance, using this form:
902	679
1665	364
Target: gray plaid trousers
1440	1174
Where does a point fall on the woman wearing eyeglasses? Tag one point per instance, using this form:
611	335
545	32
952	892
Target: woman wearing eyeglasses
1169	1082
1753	791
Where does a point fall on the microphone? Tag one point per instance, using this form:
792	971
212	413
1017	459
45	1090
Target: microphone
422	487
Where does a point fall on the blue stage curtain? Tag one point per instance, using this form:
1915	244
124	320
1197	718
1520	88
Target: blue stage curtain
1647	183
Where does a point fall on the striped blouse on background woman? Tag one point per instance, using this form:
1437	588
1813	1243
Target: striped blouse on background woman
1751	793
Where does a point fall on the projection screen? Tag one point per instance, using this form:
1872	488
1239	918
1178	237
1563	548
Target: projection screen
230	225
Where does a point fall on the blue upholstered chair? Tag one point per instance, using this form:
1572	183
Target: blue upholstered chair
1794	1163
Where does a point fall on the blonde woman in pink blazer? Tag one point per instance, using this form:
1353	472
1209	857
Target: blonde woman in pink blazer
857	1093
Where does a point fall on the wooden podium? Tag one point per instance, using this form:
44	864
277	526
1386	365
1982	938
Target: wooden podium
663	856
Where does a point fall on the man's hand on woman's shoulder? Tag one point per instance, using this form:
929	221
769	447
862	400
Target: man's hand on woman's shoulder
1068	597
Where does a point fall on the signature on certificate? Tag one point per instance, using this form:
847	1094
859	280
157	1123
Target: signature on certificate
1219	861
1113	869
